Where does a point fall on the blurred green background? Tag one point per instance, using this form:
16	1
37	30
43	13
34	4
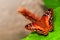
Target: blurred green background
55	35
52	3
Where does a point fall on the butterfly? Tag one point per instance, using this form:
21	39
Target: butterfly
41	25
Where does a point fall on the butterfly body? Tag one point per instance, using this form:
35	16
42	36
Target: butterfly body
40	25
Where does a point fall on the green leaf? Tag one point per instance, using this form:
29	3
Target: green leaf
52	3
55	35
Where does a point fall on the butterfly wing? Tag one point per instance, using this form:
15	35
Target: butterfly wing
46	22
34	27
27	14
47	19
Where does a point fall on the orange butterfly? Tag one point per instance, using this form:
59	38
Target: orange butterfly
40	25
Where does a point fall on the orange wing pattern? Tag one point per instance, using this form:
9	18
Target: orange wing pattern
40	25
